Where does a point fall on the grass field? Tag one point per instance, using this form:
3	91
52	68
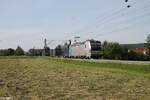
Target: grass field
36	78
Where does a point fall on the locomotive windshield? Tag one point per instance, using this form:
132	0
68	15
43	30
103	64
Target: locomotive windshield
95	45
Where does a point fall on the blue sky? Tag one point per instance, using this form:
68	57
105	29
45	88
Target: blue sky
28	22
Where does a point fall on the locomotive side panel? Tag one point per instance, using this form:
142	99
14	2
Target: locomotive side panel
70	51
83	50
87	49
80	50
74	48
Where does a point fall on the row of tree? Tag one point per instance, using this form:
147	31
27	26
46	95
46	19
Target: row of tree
12	52
39	52
113	50
46	51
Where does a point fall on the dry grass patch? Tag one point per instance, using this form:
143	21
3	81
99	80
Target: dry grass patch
41	79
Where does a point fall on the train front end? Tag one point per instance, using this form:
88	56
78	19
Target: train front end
95	49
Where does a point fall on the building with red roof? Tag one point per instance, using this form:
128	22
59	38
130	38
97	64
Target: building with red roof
140	50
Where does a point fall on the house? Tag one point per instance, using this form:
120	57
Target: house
140	50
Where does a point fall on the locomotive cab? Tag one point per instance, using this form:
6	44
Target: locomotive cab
95	49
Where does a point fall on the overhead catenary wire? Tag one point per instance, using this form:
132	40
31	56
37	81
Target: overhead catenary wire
110	19
115	13
122	28
129	20
89	25
86	27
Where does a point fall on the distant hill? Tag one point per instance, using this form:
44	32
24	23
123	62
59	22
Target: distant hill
134	46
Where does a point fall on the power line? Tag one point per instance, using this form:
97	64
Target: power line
127	15
105	17
117	30
110	18
130	20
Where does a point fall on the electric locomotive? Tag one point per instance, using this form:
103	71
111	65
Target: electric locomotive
87	49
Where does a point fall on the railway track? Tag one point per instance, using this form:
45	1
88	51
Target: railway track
114	61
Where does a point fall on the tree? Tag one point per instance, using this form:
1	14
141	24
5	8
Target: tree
125	52
2	52
10	52
112	50
148	46
7	52
141	57
105	43
19	51
132	55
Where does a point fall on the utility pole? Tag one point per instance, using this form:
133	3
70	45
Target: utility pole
45	46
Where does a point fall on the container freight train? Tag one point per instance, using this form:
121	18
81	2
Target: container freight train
86	49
